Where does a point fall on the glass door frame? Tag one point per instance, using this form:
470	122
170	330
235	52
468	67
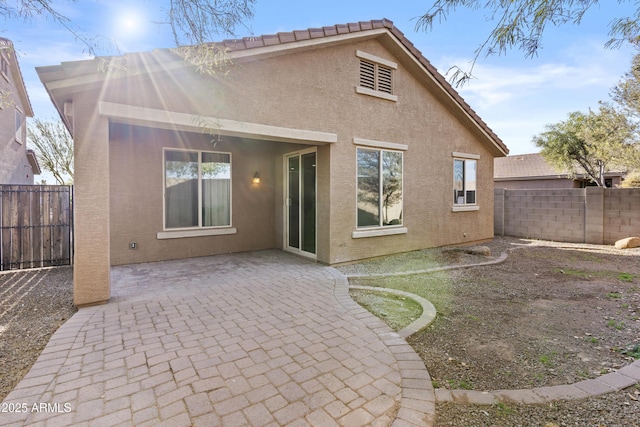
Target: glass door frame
287	203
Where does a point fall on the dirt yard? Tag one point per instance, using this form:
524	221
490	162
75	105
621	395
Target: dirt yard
550	314
33	305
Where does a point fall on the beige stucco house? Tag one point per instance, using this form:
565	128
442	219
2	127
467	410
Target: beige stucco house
18	165
338	143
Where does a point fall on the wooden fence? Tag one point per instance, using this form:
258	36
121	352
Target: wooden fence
36	226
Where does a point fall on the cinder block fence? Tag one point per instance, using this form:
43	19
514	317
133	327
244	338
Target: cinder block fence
580	215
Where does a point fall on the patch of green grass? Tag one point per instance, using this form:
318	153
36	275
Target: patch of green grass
612	323
582	374
424	259
585	274
592	340
547	359
397	311
614	295
434	287
575	273
632	351
625	277
504	409
460	384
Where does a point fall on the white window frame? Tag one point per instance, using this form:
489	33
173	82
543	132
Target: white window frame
465	157
379	230
378	62
199	230
20	121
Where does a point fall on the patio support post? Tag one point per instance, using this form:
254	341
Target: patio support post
91	270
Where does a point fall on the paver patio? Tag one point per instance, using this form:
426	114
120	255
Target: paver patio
255	339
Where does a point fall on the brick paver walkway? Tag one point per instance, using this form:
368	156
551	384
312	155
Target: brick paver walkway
259	339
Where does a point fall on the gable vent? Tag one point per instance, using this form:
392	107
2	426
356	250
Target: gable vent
384	79
375	77
368	75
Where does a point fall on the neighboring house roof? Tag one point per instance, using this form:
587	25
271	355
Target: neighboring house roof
69	75
18	80
530	166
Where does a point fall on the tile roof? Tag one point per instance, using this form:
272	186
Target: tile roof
523	165
532	166
282	38
308	34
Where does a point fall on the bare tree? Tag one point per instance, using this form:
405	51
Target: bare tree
54	148
521	24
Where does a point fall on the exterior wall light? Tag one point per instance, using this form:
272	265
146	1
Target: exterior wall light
256	178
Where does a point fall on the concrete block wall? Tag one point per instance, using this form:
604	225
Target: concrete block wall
621	214
588	215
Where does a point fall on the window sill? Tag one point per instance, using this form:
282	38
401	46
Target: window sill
464	208
376	93
180	234
359	234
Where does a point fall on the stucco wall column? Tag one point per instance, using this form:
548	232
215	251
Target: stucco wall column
91	270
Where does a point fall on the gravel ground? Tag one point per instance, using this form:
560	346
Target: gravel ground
33	305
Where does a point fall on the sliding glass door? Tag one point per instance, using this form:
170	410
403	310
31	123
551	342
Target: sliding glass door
301	202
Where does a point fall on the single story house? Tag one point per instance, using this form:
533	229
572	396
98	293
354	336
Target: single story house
18	164
337	143
531	171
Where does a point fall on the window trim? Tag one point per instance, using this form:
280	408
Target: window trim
377	61
199	230
378	230
19	129
4	66
465	207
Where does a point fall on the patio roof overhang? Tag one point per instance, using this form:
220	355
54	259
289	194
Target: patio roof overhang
173	120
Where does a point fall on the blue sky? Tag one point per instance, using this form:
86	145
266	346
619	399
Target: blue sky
515	95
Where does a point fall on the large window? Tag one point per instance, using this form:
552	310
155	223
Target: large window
197	189
379	188
464	181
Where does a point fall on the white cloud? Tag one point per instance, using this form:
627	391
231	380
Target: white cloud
518	98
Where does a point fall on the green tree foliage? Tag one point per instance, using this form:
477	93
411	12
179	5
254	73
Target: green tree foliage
521	24
627	93
54	148
589	143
